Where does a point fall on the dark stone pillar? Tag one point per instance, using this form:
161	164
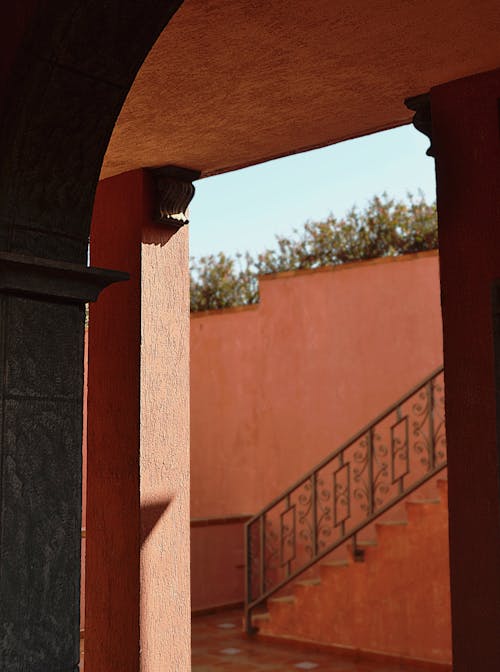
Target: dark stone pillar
42	316
466	144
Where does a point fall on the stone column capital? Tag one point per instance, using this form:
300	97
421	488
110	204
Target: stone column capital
422	119
47	279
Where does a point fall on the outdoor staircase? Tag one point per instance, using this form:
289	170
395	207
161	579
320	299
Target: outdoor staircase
355	554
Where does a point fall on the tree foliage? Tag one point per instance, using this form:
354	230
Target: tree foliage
386	227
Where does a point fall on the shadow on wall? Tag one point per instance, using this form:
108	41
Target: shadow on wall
150	515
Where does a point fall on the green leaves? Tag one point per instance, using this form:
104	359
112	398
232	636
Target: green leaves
219	281
386	227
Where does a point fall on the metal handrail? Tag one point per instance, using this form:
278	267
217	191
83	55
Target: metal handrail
368	474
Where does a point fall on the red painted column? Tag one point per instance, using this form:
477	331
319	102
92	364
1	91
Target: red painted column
466	140
137	571
113	496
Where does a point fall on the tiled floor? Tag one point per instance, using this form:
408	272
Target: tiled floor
218	644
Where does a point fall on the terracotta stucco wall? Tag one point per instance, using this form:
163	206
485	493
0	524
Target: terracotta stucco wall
277	387
395	603
218	562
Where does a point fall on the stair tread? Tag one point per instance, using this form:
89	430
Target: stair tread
261	617
371	525
434	500
308	582
284	599
336	563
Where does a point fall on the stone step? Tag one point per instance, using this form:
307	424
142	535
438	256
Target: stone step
308	582
265	616
285	599
413	500
407	555
335	563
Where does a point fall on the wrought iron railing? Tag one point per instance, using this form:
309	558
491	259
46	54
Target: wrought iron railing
388	459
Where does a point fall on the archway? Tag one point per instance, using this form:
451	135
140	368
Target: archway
65	72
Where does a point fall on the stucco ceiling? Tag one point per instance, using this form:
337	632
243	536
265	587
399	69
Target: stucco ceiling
235	82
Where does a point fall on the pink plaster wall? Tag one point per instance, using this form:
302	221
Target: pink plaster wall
276	387
397	601
218	561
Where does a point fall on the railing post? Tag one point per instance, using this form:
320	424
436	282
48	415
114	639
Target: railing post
314	508
289	562
262	555
358	553
336	498
432	447
401	486
248	580
248	576
371	485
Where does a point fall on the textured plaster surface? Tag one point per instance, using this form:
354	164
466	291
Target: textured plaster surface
217	567
137	606
397	601
277	388
164	462
233	83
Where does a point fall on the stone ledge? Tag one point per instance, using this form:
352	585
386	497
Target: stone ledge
57	280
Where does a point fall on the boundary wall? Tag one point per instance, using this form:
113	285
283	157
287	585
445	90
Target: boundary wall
277	386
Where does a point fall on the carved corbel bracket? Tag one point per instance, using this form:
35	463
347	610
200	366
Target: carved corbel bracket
174	192
422	120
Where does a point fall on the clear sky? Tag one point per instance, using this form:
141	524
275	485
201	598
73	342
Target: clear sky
243	210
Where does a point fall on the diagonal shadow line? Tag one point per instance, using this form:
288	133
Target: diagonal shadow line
150	515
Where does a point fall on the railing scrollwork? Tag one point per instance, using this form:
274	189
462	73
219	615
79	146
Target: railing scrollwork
387	460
